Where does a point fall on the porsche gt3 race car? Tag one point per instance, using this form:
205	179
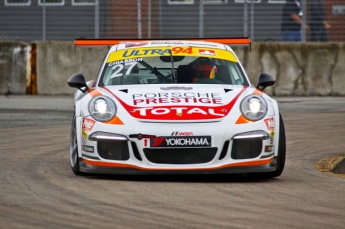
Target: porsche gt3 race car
175	107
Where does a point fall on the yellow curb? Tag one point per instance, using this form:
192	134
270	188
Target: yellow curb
327	165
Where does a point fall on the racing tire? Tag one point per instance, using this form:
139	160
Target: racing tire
73	149
281	156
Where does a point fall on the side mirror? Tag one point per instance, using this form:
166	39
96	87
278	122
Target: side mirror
78	81
265	80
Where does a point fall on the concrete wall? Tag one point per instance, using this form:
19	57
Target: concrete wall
14	67
301	69
57	61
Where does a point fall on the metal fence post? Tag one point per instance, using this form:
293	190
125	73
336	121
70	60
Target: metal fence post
139	18
245	19
201	19
44	20
149	20
304	20
96	19
252	21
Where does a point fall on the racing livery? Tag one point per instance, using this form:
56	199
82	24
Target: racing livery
177	107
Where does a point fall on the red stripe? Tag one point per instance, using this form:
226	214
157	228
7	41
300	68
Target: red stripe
206	112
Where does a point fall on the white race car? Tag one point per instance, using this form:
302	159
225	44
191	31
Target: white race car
175	107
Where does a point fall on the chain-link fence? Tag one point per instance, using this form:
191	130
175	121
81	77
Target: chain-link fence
261	20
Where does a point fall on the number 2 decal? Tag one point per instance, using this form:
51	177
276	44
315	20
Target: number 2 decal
119	68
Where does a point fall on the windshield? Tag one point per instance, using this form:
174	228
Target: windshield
161	67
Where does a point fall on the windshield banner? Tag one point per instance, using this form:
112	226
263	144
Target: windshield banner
175	51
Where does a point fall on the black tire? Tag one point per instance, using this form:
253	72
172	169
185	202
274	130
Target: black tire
281	155
73	149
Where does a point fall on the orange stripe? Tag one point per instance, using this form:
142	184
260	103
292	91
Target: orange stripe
94	93
242	120
121	165
258	92
99	42
116	121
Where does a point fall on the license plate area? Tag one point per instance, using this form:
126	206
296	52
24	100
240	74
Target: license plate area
181	142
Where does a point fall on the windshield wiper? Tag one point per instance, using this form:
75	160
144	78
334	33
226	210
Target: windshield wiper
172	68
154	71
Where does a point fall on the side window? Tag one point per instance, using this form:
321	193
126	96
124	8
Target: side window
236	74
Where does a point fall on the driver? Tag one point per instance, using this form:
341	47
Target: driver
205	69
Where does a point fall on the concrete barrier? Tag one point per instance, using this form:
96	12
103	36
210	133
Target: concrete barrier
301	69
57	61
308	69
14	67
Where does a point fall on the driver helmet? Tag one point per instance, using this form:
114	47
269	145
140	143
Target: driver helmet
205	69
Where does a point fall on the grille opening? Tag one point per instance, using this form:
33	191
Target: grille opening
113	150
246	148
180	156
136	151
224	150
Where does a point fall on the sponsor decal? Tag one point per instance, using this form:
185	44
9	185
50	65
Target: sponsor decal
176	88
177	97
83	140
207	52
84	134
87	148
131	60
157	52
270	126
181	141
179	133
146	52
135	44
140	52
178	112
183	43
272	136
269	148
146	142
88	123
269	123
178	100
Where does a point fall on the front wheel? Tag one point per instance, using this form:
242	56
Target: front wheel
281	155
73	149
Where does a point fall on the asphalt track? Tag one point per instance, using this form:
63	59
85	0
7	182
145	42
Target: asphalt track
39	190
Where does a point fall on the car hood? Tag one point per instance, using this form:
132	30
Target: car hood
177	102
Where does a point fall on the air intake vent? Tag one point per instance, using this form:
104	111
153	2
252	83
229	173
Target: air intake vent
246	148
180	156
113	149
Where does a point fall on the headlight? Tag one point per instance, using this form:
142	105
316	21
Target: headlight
254	107
102	108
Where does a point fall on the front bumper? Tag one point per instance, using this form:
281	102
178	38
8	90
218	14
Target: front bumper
94	166
121	153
